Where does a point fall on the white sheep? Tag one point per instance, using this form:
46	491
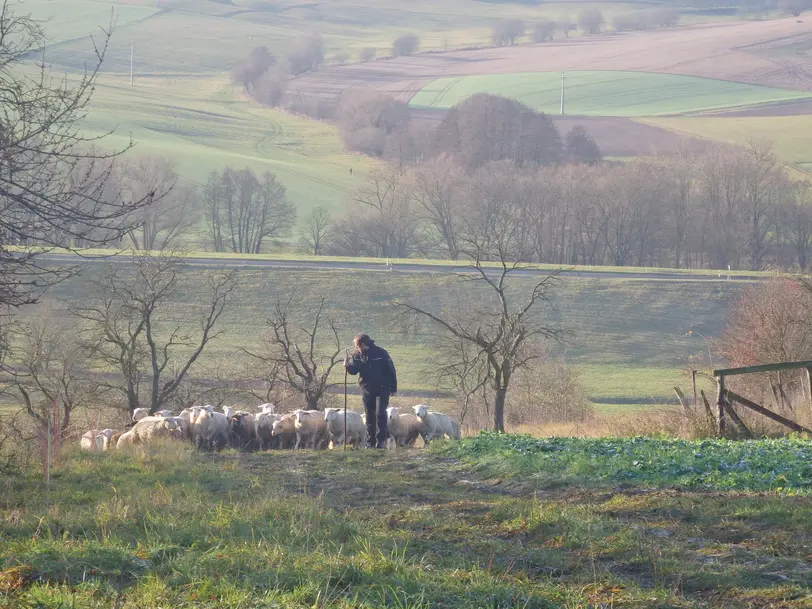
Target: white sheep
164	413
228	411
404	428
109	443
95	441
265	422
149	429
268	408
438	424
125	440
311	427
284	428
356	429
140	413
211	430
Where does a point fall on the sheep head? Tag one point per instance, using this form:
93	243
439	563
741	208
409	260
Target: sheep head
421	410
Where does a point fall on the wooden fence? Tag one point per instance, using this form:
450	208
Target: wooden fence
725	398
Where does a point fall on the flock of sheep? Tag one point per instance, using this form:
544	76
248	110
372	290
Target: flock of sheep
211	430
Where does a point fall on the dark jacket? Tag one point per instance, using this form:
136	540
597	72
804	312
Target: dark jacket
375	369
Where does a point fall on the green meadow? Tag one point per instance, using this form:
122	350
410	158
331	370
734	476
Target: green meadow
605	93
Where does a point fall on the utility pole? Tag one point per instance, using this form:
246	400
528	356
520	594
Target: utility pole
562	92
132	53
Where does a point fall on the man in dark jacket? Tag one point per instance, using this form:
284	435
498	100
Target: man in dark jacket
378	380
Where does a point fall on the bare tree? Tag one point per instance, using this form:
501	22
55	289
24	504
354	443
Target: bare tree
507	31
248	70
54	182
271	87
389	227
793	7
591	21
405	45
437	190
243	213
368	118
796	215
48	368
544	31
306	53
565	24
300	355
170	215
487	128
495	340
316	231
367	54
580	147
126	324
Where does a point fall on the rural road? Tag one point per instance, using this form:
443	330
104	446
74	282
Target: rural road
415	267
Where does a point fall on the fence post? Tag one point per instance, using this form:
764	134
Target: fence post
720	405
693	381
809	384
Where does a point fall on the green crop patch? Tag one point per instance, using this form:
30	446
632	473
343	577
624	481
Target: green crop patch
781	465
604	93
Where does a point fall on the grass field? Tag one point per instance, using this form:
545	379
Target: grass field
411	530
204	124
182	105
629	337
178	38
791	135
610	93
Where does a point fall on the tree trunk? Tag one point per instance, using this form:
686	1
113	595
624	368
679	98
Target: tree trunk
499	410
312	402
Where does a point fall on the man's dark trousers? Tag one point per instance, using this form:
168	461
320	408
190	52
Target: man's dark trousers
376	418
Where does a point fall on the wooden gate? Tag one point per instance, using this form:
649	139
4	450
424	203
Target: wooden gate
725	397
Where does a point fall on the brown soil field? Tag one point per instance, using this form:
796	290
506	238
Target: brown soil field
771	53
615	136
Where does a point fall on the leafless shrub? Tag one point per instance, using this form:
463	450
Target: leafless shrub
306	53
250	69
591	21
507	32
405	45
770	323
316	232
270	88
487	128
580	147
544	30
367	54
367	118
793	7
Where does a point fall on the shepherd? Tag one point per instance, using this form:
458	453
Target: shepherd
378	381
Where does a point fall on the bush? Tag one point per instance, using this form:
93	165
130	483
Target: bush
306	53
367	54
580	147
258	62
545	30
591	21
270	88
405	45
507	31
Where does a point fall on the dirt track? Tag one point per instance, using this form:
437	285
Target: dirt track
754	52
